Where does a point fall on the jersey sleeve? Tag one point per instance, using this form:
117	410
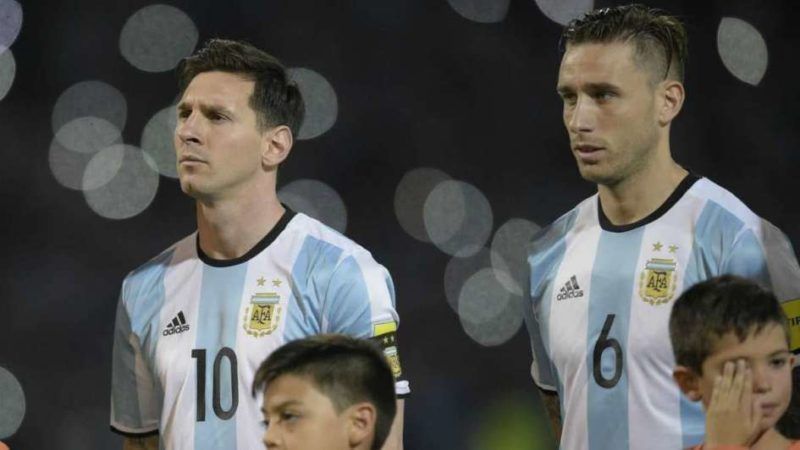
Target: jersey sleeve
360	302
766	255
134	399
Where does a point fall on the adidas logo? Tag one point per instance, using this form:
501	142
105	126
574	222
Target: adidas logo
178	325
570	289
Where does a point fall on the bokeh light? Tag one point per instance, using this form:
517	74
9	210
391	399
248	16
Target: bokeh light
510	253
157	141
130	190
482	11
458	218
489	314
88	134
742	49
8	70
510	422
157	37
316	199
90	99
10	23
459	270
321	104
68	166
410	196
563	11
12	404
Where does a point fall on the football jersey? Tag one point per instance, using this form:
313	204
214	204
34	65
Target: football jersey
192	331
600	301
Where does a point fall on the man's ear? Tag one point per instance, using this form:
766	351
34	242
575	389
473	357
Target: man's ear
671	99
276	145
688	381
361	419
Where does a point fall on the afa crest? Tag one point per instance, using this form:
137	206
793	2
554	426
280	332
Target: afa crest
263	314
657	281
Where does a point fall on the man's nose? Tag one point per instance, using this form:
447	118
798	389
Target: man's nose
581	117
188	129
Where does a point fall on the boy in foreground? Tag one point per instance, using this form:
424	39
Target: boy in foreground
731	344
326	392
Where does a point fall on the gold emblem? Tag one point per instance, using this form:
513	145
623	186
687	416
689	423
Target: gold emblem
263	314
657	281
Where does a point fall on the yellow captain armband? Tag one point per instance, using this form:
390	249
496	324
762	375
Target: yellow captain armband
384	333
792	310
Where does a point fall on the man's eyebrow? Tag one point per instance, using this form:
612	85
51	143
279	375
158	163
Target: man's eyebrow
205	108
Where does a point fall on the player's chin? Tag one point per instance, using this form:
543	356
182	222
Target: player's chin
596	173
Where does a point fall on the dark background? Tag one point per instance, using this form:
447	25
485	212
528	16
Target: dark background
418	85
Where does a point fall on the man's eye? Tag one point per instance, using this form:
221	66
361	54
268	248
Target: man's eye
184	114
289	417
568	98
604	95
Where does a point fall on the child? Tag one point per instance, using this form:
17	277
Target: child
731	344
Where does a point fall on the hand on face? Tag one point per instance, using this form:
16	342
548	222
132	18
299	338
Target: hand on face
734	413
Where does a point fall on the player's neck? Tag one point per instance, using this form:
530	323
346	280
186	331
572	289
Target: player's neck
230	227
640	194
771	440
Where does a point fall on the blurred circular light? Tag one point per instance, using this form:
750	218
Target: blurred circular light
157	141
321	104
482	11
12	404
410	196
130	190
316	199
510	253
67	166
90	99
88	134
459	270
8	70
10	23
157	37
563	11
489	314
742	49
458	218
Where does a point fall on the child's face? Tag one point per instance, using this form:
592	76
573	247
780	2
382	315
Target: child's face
767	355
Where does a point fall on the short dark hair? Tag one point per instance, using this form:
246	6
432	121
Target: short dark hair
718	306
276	99
658	38
345	369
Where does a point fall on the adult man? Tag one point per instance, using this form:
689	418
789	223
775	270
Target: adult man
604	275
326	392
194	323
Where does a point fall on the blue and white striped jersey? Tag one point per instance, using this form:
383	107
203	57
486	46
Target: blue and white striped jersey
600	300
191	331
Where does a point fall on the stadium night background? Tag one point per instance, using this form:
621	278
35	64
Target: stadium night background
433	137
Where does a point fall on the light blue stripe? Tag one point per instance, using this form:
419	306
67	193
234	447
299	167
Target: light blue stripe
613	278
347	306
715	232
217	317
143	292
311	275
546	255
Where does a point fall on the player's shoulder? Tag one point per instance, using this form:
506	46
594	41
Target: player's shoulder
318	237
149	274
582	215
722	205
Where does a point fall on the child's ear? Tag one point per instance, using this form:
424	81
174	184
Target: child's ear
361	419
688	381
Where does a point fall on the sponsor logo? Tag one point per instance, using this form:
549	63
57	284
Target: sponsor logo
177	326
570	290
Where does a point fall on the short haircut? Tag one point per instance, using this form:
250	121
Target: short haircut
660	40
718	306
345	369
276	99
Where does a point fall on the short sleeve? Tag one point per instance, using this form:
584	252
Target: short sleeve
134	399
542	369
767	256
360	302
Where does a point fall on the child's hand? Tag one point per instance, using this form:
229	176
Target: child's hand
733	413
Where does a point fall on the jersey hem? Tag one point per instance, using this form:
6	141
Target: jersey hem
134	434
